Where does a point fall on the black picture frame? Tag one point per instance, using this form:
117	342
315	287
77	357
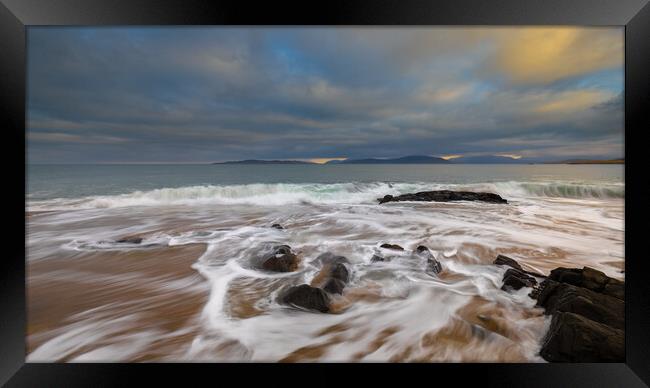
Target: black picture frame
16	15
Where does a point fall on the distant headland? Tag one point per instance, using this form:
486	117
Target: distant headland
425	159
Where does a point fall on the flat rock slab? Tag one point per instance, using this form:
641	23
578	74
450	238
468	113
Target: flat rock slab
444	196
574	338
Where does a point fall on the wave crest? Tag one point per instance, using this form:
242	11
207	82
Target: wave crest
331	193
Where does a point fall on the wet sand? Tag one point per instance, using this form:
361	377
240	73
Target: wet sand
150	293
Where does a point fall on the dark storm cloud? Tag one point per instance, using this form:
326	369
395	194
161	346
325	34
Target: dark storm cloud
208	94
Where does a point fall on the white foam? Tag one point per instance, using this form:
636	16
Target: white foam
320	193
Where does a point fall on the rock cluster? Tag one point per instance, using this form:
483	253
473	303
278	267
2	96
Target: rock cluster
588	309
332	279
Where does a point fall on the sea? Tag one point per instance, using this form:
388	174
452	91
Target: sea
190	290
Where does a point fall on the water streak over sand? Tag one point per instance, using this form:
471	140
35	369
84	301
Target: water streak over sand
191	290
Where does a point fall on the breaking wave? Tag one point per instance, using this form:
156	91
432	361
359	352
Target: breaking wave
319	193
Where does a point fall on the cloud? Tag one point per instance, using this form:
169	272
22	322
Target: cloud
548	54
53	137
204	94
573	100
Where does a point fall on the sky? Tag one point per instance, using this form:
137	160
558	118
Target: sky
209	94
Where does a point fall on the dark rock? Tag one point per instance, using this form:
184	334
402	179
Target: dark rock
423	251
534	294
505	260
615	288
591	279
330	258
334	286
515	279
393	247
444	196
433	266
563	297
280	260
339	271
574	338
281	249
307	297
334	274
277	226
376	258
130	240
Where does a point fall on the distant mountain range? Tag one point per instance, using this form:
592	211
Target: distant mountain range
489	159
424	159
413	159
590	161
256	161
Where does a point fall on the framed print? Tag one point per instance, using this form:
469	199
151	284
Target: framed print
449	187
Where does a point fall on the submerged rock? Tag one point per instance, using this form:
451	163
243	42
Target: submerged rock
377	258
277	226
433	265
444	196
331	258
130	240
515	279
307	297
393	247
334	286
590	279
334	275
282	259
340	271
574	338
563	297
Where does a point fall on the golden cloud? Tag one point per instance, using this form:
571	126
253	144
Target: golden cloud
571	101
546	54
444	95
